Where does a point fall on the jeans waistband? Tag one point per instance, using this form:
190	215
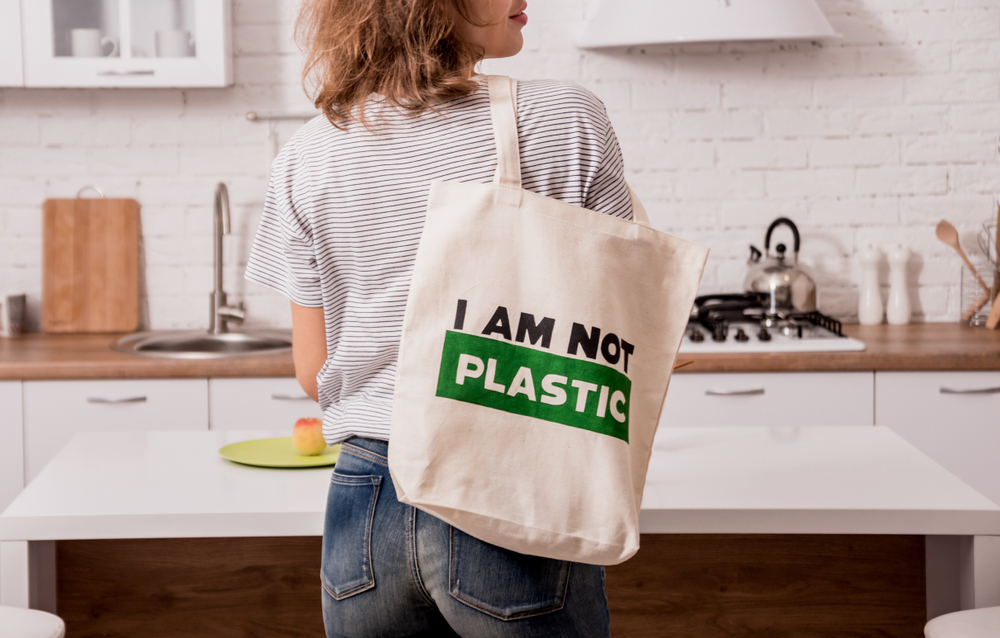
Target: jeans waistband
372	445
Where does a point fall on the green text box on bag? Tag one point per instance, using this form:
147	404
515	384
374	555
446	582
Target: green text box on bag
533	383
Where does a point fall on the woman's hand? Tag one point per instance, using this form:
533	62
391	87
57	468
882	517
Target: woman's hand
308	346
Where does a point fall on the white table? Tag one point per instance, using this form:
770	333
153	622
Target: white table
701	481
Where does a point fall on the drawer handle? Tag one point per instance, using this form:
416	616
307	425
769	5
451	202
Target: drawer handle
975	391
734	393
291	397
125	73
122	400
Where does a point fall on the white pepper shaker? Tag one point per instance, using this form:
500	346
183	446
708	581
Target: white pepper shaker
897	310
869	296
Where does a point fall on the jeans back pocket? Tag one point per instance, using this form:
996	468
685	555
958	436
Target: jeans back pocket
347	534
502	583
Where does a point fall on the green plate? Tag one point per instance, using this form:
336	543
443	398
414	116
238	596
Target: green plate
276	453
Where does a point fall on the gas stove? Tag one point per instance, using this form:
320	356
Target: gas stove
743	323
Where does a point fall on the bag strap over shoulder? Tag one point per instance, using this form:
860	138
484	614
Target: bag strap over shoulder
503	111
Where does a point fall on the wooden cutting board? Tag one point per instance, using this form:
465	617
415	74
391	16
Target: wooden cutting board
90	265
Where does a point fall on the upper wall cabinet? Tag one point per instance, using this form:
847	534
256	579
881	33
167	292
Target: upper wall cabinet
126	43
11	70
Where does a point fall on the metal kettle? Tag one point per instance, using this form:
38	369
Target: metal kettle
789	285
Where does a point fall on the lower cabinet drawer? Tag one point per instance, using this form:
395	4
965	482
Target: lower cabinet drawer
258	404
769	398
952	417
56	410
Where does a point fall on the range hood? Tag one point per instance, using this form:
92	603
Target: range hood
622	23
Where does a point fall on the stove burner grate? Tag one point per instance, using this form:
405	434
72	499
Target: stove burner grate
715	313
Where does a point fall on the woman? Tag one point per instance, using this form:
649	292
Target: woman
339	234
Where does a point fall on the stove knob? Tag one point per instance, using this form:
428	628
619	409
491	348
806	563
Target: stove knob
697	336
764	335
720	332
741	336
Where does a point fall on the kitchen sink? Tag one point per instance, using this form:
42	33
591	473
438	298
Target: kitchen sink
204	345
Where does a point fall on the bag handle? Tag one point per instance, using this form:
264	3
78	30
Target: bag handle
503	111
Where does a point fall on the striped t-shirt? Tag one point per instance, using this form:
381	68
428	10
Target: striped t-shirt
345	208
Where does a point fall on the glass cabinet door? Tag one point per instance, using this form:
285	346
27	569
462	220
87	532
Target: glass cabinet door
121	43
162	29
85	28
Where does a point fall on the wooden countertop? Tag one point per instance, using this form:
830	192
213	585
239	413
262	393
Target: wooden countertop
926	346
89	356
918	346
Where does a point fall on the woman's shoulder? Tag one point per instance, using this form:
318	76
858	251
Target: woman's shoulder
559	94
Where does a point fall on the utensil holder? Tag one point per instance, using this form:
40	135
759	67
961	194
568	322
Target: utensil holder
971	291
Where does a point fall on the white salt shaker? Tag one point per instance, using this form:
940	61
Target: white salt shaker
897	310
869	296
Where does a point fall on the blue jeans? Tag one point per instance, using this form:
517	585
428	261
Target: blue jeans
392	571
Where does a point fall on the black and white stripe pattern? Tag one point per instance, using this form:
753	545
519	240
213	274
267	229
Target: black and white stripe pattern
345	209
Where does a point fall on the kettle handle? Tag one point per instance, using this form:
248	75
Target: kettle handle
775	224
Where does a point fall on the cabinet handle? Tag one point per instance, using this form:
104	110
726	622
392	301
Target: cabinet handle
975	391
126	73
122	400
291	397
734	393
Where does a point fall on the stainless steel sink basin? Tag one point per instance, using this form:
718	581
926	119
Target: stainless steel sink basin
204	345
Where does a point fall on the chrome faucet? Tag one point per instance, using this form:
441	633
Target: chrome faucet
221	314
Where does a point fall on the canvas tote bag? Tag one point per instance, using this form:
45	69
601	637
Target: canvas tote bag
537	344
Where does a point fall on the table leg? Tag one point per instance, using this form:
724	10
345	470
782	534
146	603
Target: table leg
963	572
28	574
14	580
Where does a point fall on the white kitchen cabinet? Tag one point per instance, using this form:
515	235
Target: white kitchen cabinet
11	445
952	417
11	442
258	404
126	43
770	398
56	410
11	69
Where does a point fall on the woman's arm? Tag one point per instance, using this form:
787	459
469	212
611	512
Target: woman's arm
308	346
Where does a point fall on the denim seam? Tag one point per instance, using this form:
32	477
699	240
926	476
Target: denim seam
376	483
411	549
525	614
347	448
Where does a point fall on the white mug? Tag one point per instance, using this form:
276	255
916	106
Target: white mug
88	43
12	311
174	43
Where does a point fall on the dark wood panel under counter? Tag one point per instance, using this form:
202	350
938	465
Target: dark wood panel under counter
710	586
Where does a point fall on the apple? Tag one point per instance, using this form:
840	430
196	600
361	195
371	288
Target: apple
307	437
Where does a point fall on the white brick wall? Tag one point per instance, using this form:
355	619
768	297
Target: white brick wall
868	140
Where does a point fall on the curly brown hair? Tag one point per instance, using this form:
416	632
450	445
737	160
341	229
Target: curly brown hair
405	50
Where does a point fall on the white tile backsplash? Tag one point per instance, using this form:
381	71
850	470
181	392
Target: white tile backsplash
871	139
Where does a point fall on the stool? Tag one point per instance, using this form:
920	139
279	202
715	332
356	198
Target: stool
30	623
972	623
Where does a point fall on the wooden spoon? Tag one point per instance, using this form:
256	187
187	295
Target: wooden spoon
996	264
975	306
949	235
994	318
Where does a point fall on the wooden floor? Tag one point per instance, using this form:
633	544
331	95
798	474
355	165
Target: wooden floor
678	585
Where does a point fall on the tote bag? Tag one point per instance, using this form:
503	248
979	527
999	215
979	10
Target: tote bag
538	341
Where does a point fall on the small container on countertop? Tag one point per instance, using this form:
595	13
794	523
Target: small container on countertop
897	310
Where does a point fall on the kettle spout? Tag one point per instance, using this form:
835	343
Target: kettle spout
755	255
